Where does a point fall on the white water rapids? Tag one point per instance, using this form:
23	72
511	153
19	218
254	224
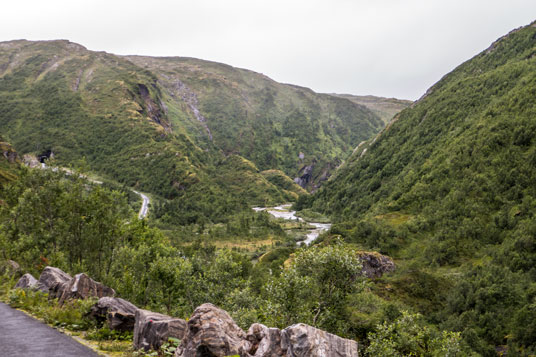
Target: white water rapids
283	211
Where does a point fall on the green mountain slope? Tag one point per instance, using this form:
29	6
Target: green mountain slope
169	129
385	108
8	163
448	188
276	126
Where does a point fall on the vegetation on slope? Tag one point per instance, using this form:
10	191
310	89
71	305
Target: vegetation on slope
174	127
449	188
59	98
274	125
65	221
385	108
8	163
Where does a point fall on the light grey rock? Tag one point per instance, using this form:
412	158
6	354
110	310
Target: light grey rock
151	329
51	280
82	287
302	340
265	341
212	332
298	340
27	281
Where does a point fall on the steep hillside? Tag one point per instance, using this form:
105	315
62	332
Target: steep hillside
449	187
276	126
168	128
8	163
385	108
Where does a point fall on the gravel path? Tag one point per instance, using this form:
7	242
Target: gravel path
21	335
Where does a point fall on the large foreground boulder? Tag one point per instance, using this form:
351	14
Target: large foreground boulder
298	340
212	332
82	287
118	313
151	329
376	264
306	341
51	281
27	281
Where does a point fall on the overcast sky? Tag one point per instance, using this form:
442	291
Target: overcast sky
393	48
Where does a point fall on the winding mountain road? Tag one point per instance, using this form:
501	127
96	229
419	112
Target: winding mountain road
144	206
21	335
144	210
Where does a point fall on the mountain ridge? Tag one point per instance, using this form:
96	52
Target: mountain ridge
446	188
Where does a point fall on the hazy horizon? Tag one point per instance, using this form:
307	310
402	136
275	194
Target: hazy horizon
385	48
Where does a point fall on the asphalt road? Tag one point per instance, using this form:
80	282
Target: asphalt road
21	335
144	206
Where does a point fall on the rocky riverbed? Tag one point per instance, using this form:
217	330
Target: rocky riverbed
285	212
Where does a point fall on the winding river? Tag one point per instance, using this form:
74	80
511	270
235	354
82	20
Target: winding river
284	212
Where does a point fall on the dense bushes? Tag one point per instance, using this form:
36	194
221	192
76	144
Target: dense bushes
459	165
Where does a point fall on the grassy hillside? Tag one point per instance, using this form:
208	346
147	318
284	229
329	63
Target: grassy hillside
179	128
8	163
385	108
131	125
448	189
276	126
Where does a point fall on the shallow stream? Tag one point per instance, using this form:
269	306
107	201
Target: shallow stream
283	211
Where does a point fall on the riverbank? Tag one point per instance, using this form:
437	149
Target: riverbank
312	229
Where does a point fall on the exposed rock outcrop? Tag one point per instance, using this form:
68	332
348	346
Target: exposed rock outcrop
27	281
82	287
376	264
51	281
151	329
212	332
118	313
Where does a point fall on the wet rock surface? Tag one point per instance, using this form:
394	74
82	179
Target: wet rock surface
151	329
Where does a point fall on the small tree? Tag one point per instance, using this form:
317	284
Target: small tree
409	336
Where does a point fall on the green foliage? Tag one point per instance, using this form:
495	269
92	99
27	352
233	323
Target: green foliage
105	334
48	215
448	188
71	315
311	290
409	336
144	122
